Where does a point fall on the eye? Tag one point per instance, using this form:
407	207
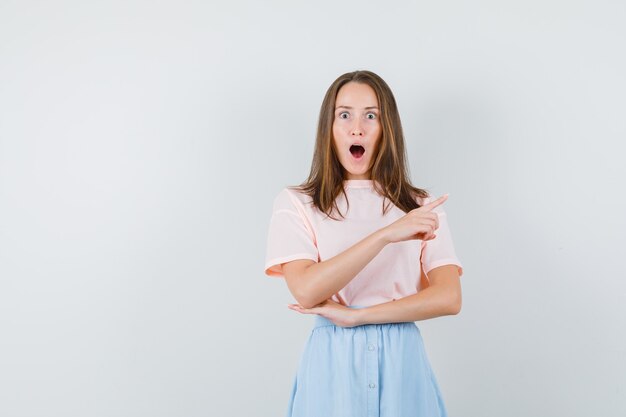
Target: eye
371	115
342	114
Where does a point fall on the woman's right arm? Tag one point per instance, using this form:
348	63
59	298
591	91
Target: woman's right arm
313	282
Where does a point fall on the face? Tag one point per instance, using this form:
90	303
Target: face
356	129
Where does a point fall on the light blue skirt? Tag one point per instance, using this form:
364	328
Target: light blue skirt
372	370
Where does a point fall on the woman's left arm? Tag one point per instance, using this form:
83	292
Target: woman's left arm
441	298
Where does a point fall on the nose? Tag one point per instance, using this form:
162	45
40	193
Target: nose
356	128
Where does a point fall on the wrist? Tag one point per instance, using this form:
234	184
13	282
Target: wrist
381	237
360	316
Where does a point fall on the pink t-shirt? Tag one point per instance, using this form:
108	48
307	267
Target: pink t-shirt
298	230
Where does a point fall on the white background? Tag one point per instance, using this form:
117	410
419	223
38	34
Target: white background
142	144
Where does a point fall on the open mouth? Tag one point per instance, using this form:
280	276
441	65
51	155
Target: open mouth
357	151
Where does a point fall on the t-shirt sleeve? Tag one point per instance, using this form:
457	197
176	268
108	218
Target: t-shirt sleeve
290	235
440	250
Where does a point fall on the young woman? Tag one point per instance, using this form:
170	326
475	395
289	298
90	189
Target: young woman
368	254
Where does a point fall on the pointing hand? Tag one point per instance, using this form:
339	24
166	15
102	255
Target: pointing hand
419	223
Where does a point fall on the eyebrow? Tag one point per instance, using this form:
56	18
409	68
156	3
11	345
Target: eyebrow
348	107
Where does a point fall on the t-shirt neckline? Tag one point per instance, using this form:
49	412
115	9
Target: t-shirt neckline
358	183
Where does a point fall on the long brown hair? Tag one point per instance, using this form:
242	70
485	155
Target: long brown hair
390	169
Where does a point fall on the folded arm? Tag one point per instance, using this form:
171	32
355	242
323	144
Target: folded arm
441	298
314	282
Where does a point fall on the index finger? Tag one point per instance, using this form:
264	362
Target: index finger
434	203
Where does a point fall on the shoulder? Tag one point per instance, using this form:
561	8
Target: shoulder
290	198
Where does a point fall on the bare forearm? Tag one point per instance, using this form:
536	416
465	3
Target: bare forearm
323	279
434	301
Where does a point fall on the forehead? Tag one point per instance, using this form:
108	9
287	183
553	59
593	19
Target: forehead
357	95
